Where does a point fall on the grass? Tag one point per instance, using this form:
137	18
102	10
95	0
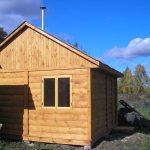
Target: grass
145	111
146	144
18	145
139	102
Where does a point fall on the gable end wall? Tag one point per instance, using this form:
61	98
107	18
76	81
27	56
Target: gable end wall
30	50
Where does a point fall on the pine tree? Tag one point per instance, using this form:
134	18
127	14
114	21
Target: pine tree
126	83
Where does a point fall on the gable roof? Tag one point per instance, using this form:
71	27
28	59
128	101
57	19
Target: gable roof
66	45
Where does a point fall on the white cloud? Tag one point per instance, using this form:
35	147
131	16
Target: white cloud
136	48
11	22
14	12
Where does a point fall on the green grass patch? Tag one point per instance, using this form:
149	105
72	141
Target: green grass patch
146	144
144	111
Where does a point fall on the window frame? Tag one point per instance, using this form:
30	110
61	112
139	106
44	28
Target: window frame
56	91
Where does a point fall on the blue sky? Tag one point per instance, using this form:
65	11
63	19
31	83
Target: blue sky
115	31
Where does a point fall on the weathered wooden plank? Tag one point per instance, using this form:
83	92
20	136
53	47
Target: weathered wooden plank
35	85
9	81
80	104
11	91
26	105
67	117
11	121
15	127
11	108
11	97
35	91
59	135
57	140
73	111
58	72
11	103
35	79
11	115
98	103
55	129
59	123
13	132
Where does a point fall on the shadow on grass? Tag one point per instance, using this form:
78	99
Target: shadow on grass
145	126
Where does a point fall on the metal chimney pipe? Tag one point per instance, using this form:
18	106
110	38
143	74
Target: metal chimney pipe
43	9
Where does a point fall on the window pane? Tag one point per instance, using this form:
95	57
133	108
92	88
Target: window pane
49	92
63	92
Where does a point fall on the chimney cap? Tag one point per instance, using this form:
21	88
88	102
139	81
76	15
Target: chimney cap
43	7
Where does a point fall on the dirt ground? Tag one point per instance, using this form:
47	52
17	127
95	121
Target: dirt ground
121	142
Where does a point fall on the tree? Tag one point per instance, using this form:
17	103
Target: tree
120	85
141	79
126	83
3	34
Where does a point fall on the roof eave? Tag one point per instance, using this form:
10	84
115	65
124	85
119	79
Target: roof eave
110	70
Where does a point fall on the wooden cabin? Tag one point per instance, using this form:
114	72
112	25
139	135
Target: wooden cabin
52	92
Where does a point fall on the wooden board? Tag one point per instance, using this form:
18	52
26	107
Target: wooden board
103	103
13	94
31	50
60	123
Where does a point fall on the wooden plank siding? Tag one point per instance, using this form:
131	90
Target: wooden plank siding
30	50
67	124
103	103
23	114
98	104
13	112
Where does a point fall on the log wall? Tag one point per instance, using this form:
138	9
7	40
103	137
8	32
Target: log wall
103	103
68	125
23	115
91	115
13	107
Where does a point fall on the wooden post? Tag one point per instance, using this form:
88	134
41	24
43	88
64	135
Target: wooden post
106	102
116	103
89	107
26	108
112	113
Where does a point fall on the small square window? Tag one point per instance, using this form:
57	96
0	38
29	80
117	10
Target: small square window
56	91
